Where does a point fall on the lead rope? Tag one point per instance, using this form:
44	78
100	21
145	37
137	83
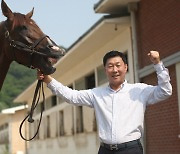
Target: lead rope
38	90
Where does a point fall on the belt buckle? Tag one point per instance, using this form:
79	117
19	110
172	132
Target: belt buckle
113	147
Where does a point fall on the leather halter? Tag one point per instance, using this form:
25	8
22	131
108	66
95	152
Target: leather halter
29	117
30	49
39	87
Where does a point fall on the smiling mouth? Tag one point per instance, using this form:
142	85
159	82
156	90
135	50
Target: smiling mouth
115	76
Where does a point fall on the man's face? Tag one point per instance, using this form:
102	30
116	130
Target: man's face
115	70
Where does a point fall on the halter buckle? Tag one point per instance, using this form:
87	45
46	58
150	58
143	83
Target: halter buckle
7	34
12	43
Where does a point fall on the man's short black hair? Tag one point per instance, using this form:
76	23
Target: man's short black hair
112	54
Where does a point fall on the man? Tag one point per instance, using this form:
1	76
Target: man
120	106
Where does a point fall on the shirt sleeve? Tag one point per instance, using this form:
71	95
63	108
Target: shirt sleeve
81	97
163	90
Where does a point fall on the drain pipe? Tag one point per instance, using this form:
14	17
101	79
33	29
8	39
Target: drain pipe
132	8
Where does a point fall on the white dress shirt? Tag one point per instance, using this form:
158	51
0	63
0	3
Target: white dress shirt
119	114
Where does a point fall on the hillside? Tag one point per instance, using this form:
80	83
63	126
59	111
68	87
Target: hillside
18	78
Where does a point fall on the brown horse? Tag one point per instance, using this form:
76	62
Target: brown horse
21	40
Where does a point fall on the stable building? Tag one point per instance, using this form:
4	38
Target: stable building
66	128
133	27
10	140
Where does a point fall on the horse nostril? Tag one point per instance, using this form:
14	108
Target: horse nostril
50	46
59	49
63	51
55	48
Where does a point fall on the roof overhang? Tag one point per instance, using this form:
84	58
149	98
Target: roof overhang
93	40
112	6
107	28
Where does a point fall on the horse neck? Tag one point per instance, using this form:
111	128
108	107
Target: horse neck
4	62
4	66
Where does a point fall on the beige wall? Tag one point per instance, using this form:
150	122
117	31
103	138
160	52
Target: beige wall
73	142
4	134
84	66
16	143
79	144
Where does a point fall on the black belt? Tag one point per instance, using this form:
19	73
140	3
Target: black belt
120	146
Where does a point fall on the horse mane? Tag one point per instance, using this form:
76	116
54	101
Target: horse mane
19	40
20	20
1	23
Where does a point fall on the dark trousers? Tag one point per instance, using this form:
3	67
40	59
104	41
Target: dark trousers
135	149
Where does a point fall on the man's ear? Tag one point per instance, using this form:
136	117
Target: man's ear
126	67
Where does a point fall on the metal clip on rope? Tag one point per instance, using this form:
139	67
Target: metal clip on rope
29	117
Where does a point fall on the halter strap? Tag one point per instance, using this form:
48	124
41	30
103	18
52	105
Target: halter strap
30	49
29	117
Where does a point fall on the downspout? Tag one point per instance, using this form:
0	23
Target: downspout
132	8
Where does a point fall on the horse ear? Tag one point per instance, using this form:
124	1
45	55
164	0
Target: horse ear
6	10
30	14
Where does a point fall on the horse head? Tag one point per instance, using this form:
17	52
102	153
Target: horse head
26	44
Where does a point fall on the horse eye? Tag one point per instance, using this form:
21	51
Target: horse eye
23	27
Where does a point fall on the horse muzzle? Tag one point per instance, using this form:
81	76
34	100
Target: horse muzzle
51	55
55	52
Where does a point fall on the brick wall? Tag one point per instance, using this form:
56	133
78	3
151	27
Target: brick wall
158	28
162	122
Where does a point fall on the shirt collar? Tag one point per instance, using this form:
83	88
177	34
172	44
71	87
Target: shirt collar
122	85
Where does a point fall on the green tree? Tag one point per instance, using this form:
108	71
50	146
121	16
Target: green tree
18	79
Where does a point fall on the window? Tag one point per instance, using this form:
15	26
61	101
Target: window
48	126
36	127
4	135
94	123
53	101
80	84
61	123
79	119
70	86
87	82
101	76
90	81
42	106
